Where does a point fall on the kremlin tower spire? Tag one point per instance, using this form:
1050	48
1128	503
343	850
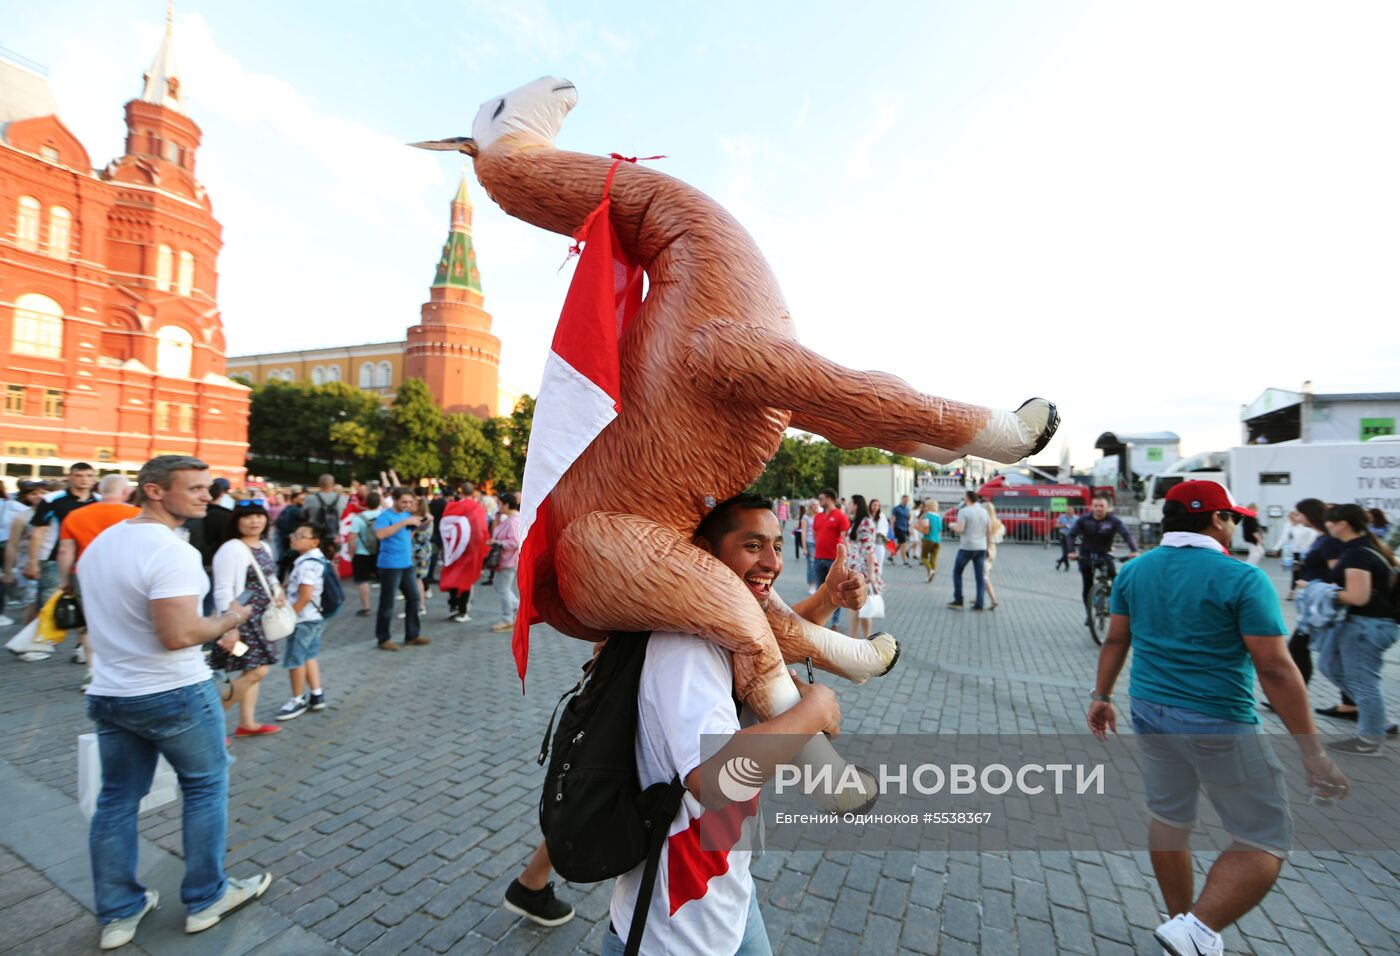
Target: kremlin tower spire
452	349
457	267
163	78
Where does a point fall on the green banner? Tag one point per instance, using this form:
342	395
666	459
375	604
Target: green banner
1059	504
1371	427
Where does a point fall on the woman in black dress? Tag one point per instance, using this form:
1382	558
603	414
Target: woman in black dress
233	574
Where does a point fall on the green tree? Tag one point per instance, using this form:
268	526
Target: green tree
413	432
796	469
517	436
359	442
314	425
466	452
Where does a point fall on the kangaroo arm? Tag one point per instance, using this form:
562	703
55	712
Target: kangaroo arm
734	362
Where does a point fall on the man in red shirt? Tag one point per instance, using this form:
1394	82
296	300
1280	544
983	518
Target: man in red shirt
829	526
79	529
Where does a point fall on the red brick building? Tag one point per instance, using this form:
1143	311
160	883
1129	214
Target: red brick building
111	343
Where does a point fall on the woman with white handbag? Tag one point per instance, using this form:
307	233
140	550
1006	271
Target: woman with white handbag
861	558
245	562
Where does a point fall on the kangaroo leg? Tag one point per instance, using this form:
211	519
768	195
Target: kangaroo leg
620	572
835	653
744	363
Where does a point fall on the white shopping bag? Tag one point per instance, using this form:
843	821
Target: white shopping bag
26	640
165	787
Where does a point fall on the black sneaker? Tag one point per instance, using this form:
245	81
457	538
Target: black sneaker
292	709
1356	746
318	701
540	906
956	604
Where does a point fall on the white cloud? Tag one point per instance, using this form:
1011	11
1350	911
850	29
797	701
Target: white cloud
858	162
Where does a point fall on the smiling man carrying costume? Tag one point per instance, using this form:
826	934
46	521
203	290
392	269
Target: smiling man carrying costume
631	448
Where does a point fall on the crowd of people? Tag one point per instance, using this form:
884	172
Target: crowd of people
271	546
185	577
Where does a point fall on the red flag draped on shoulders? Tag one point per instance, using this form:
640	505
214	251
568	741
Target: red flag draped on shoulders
464	544
348	526
580	394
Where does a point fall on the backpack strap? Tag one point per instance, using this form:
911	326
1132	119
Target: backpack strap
549	731
659	824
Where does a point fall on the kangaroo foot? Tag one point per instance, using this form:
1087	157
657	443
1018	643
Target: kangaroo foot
838	654
1011	436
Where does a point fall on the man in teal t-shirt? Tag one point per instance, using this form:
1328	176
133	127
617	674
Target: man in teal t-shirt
930	527
1200	625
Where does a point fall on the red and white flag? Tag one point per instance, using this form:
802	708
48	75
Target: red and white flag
349	524
464	544
580	395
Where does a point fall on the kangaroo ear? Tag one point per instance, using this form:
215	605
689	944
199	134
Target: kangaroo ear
456	144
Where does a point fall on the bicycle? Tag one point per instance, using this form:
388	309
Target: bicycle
1099	594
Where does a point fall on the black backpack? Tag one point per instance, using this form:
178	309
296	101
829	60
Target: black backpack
597	820
327	520
1393	594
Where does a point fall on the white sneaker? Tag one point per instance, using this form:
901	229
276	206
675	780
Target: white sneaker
236	893
462	618
80	655
1182	936
120	932
33	657
6	621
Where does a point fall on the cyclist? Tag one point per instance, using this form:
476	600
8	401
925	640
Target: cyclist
1096	530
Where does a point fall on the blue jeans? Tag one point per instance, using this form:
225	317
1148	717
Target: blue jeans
391	580
1350	655
754	943
304	644
979	571
821	567
186	726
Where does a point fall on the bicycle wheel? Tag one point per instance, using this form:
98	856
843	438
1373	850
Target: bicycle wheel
1098	626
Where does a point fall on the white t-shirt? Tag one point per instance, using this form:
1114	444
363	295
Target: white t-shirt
974	533
701	899
308	569
126	567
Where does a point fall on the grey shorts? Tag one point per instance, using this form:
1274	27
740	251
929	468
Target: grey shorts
1184	751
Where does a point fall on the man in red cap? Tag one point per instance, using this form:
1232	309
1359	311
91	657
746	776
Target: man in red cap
1202	626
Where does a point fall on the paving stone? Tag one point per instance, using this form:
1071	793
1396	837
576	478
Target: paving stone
960	919
1071	930
920	930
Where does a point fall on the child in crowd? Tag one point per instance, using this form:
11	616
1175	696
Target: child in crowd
306	582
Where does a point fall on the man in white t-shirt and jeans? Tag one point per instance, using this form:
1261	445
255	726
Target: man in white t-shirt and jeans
704	900
152	695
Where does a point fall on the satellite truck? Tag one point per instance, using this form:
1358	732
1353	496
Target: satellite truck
1275	477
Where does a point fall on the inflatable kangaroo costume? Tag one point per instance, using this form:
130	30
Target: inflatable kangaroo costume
711	376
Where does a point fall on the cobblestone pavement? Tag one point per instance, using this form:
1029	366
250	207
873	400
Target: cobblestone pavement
394	820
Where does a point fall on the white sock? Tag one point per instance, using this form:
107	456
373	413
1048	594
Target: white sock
1201	930
315	692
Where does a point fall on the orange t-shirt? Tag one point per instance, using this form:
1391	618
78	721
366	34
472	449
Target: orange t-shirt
87	523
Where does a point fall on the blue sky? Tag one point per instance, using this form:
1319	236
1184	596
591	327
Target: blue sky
1146	212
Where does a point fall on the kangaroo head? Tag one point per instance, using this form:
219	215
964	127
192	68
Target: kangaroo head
536	109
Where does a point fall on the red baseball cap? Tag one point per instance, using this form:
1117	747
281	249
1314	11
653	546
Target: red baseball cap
1203	496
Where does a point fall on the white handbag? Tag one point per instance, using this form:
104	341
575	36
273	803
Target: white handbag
874	607
279	620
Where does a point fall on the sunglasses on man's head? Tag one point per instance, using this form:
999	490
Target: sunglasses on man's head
251	503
